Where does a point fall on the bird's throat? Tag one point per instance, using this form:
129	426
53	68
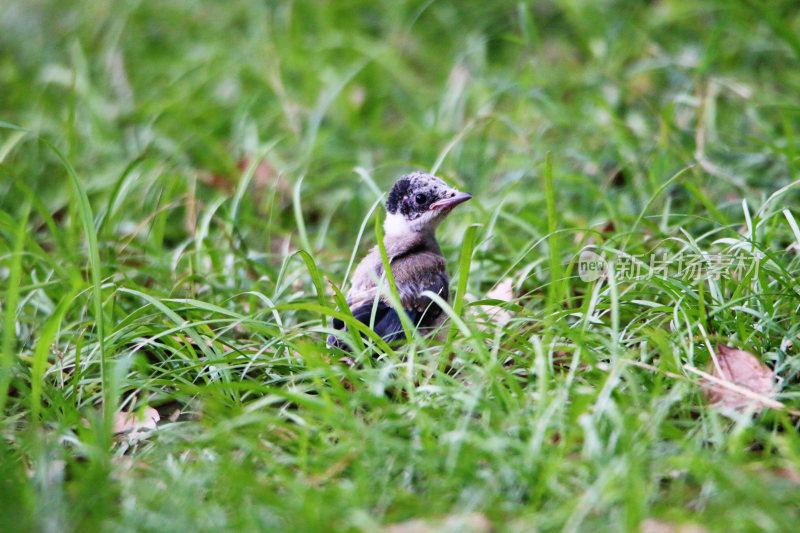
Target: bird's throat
397	227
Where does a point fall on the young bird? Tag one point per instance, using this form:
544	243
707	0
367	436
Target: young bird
417	204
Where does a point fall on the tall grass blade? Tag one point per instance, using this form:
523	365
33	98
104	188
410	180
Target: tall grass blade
96	272
10	303
392	294
42	351
464	266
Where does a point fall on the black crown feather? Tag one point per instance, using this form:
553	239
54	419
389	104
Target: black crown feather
396	195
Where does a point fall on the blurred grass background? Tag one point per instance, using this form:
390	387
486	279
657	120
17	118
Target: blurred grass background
161	164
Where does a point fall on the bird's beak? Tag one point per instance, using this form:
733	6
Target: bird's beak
453	201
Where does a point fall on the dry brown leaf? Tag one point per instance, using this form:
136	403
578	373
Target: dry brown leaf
468	523
217	181
743	369
125	421
788	473
503	291
652	525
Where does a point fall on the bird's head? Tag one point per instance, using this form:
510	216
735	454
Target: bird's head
418	202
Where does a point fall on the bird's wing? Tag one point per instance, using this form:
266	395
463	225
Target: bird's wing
387	322
413	275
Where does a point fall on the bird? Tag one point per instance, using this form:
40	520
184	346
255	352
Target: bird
417	203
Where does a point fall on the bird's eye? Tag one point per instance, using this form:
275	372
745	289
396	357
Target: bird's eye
420	198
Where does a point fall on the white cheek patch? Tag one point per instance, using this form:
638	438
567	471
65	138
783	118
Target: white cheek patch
396	225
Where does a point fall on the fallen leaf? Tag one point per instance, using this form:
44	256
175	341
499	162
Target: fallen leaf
652	525
125	421
217	181
736	370
468	523
788	473
503	291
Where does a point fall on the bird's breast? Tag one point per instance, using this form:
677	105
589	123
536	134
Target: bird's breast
413	273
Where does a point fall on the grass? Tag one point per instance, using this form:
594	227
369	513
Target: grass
181	190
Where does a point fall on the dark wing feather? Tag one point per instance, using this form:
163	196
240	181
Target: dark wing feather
410	288
387	322
414	275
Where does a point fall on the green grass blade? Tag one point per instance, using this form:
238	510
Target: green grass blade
341	304
247	177
555	292
9	126
114	198
361	230
10	303
393	295
96	272
316	279
298	214
42	351
464	266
